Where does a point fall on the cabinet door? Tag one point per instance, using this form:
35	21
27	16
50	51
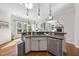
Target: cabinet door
34	45
43	44
27	45
55	46
52	46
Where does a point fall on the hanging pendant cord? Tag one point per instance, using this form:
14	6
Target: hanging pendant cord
50	9
28	15
38	9
27	11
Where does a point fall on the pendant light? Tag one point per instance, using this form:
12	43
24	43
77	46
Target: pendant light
50	15
28	15
38	14
27	12
29	5
38	11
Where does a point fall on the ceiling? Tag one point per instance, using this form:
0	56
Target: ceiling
18	9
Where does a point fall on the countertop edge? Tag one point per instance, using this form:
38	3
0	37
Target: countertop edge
44	36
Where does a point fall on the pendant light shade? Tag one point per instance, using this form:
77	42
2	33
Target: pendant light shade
50	17
29	5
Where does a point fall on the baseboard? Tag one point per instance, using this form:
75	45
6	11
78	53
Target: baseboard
1	45
27	53
76	46
51	53
39	51
72	50
73	44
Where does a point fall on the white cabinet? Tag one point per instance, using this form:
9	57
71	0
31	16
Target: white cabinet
34	45
43	44
38	43
55	46
27	45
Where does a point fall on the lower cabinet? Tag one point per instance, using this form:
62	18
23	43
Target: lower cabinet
43	45
55	46
38	44
52	45
34	45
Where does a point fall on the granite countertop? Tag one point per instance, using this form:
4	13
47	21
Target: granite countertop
27	36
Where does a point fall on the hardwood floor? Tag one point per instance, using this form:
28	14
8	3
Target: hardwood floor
38	54
11	50
8	49
71	50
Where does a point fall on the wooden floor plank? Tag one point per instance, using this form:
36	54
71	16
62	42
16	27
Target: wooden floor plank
39	54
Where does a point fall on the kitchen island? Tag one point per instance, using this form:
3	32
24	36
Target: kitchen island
44	42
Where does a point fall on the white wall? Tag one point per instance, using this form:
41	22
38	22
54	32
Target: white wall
5	34
67	18
77	25
6	10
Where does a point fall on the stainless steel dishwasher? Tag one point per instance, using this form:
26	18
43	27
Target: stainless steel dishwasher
21	49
